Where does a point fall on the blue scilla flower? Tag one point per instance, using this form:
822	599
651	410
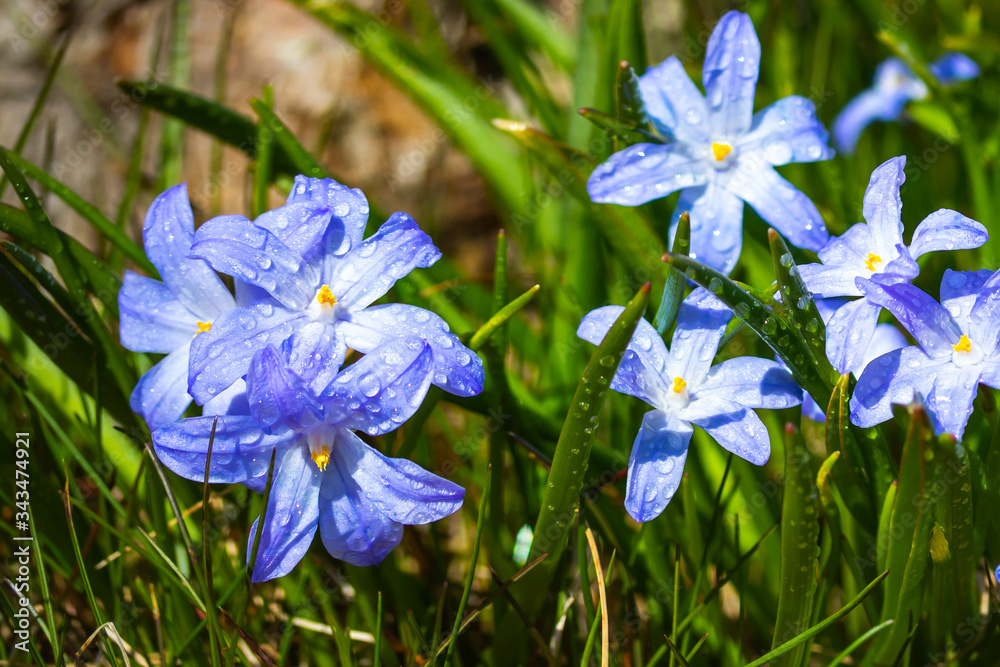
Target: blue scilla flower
167	317
686	389
720	154
885	338
325	476
876	250
313	278
957	350
894	87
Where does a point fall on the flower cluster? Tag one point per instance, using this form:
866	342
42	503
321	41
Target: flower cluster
268	365
894	87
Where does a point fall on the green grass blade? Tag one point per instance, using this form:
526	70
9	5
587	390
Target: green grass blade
302	159
819	627
539	31
262	165
799	548
90	213
179	65
214	119
561	498
480	522
674	286
843	655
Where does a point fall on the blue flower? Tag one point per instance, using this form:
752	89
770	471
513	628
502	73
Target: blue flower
720	154
325	476
313	277
886	338
895	85
876	250
167	317
685	388
957	350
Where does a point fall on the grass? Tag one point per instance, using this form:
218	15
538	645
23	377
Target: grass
848	547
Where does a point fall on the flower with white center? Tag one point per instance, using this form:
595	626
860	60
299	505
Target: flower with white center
686	389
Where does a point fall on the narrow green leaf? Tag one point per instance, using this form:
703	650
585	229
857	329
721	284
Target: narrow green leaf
819	627
179	73
909	532
471	576
799	303
88	212
958	530
492	325
540	31
214	119
842	656
625	134
36	108
561	498
770	321
799	548
262	165
675	284
301	158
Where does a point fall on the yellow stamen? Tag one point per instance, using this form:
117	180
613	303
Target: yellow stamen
325	296
964	344
871	260
679	385
321	458
203	327
720	151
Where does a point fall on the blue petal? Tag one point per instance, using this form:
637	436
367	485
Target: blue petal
457	369
277	396
738	429
780	204
984	318
151	317
716	225
235	246
950	399
645	172
882	207
656	465
167	235
886	339
849	332
315	353
753	382
862	111
892	378
347	205
400	489
919	313
232	401
161	394
959	293
371	268
351	527
302	227
812	410
953	67
947	230
383	389
641	371
674	103
788	131
732	63
240	451
291	518
701	321
850	249
829	281
221	356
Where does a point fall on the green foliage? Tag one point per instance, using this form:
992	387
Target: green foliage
850	546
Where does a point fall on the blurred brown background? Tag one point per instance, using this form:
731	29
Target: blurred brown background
365	131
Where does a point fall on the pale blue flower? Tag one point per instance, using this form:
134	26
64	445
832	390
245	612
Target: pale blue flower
894	87
720	153
687	390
